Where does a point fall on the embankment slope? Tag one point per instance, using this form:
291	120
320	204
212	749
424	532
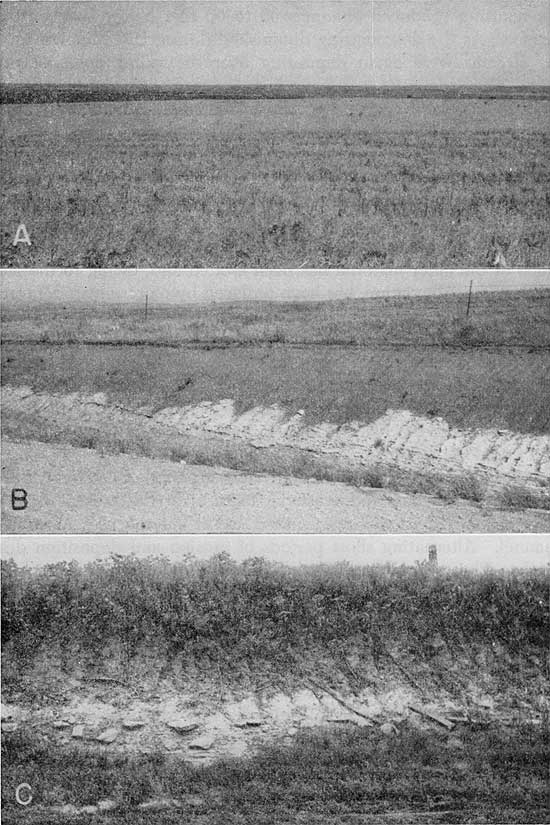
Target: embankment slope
391	679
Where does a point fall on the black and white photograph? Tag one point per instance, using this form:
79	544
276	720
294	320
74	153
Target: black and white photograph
275	412
275	134
273	402
271	680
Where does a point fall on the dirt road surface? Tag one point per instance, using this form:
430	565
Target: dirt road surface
75	490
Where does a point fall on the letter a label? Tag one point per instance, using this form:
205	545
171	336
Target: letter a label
21	236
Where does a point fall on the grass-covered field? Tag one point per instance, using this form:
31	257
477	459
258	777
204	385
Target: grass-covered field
93	92
508	318
327	182
255	621
337	360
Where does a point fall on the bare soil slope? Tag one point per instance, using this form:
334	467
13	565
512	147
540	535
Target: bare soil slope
75	490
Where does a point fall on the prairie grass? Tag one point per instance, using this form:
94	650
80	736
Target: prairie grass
497	319
257	612
276	183
94	92
358	777
468	387
517	498
275	462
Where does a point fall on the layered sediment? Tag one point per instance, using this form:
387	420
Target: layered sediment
397	441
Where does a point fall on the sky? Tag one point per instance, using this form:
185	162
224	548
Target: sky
475	552
383	42
18	287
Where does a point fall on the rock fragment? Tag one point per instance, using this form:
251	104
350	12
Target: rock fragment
6	712
67	810
133	724
182	725
250	722
106	805
89	809
437	644
202	743
108	736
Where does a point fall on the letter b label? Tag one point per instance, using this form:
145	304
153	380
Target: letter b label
19	499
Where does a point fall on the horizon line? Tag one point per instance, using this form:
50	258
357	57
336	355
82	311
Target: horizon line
285	83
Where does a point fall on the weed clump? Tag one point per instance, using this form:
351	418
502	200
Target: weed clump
517	498
256	611
467	487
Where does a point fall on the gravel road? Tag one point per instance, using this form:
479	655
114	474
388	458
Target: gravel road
75	490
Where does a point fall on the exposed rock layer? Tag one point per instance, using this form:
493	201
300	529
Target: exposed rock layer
399	439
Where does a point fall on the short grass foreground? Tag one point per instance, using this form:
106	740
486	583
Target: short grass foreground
276	183
358	776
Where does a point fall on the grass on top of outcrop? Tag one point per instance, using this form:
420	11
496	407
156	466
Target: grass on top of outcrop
507	388
510	318
339	361
496	774
256	612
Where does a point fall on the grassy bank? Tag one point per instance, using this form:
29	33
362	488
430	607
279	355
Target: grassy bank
472	387
353	777
337	360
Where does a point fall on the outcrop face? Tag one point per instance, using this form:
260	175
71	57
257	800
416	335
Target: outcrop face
399	441
195	723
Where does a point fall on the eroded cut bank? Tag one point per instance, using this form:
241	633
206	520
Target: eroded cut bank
398	450
156	704
147	683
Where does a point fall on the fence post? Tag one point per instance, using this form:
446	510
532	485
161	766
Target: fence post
469	299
